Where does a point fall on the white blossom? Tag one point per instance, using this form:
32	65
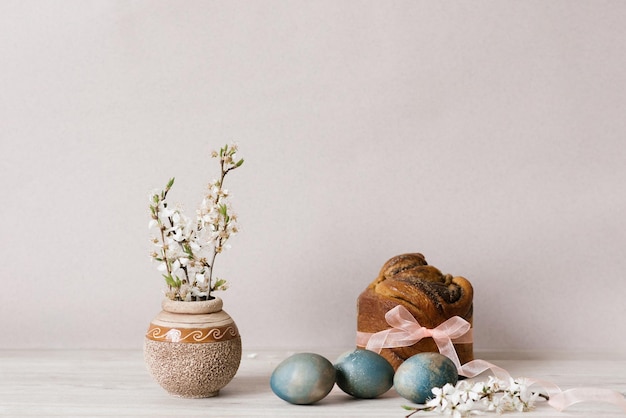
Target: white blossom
195	291
468	397
186	248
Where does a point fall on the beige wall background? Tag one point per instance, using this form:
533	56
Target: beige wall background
489	136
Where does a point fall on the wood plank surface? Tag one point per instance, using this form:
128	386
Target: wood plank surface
116	383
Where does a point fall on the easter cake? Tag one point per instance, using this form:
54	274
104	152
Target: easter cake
429	295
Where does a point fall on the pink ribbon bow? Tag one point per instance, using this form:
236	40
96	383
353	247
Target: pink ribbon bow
406	331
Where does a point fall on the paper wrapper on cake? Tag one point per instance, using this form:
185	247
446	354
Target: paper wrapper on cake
430	296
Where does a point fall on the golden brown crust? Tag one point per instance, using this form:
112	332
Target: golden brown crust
429	295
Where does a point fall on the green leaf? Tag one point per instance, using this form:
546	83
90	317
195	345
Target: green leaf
169	280
170	183
239	163
172	281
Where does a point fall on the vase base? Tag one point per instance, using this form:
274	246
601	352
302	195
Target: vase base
204	395
193	370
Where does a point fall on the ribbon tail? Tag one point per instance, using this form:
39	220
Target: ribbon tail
567	398
475	367
447	349
451	330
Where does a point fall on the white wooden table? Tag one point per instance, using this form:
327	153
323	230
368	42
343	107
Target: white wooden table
116	383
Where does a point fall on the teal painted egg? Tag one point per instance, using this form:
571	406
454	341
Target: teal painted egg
415	378
303	378
363	374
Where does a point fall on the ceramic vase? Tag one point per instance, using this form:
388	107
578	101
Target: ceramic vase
192	349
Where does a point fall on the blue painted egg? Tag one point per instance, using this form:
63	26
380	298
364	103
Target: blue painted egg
303	378
363	374
415	378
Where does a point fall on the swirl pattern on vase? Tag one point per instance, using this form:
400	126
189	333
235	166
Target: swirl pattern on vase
192	335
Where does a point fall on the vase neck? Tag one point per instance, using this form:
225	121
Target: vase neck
197	307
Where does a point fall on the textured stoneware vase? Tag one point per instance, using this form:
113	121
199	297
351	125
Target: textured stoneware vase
192	349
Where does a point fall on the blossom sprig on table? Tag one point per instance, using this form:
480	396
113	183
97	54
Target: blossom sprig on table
186	248
467	398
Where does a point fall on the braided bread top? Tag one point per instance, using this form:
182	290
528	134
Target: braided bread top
430	295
